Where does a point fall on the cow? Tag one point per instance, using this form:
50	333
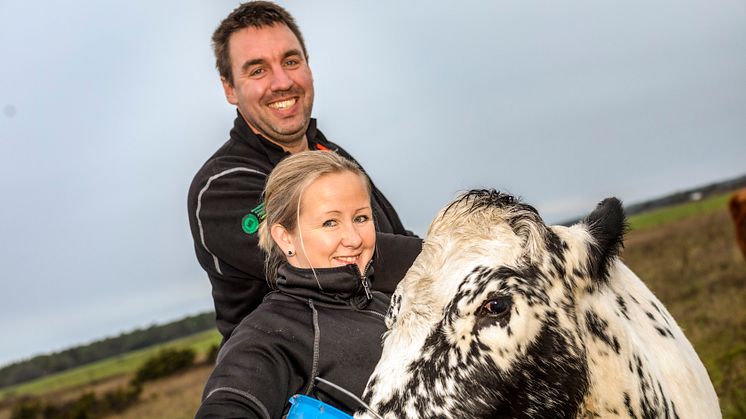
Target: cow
502	316
737	206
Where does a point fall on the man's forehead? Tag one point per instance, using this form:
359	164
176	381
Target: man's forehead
263	42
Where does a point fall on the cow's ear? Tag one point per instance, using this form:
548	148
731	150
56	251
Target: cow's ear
607	225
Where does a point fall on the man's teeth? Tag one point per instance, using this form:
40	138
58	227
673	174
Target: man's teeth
283	104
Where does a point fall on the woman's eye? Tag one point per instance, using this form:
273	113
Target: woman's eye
496	307
361	218
330	223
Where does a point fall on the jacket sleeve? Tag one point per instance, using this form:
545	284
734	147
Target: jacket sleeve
252	377
394	256
229	406
225	210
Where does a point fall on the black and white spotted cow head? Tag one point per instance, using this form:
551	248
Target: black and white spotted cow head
502	316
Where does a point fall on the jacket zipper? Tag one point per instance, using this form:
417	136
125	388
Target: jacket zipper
364	279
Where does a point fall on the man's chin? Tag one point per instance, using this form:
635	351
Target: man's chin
287	134
281	134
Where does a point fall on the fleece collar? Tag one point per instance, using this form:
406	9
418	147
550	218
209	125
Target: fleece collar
344	285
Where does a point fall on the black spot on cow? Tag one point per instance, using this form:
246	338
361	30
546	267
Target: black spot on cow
622	306
658	309
598	327
666	333
628	405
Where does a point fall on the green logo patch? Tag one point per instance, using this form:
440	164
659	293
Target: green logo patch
250	222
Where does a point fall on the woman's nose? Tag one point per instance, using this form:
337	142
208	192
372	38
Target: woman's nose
351	237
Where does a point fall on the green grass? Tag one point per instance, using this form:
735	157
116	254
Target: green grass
666	215
110	367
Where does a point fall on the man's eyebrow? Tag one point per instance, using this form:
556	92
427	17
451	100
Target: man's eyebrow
289	53
245	67
292	52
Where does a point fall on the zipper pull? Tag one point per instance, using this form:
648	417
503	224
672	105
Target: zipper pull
366	287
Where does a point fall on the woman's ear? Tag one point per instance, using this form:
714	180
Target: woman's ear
281	236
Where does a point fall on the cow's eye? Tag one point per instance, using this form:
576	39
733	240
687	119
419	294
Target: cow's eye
497	306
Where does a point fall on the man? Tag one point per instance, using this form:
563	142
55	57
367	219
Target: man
263	65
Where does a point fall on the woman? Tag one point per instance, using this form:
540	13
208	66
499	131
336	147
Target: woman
322	319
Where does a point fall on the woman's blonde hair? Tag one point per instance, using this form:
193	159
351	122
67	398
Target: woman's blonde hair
283	193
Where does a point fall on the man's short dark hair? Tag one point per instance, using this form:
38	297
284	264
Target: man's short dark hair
255	14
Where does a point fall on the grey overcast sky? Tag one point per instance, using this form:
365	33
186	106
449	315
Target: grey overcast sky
109	108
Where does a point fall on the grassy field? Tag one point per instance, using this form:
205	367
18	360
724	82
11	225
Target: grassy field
176	397
661	216
107	369
686	254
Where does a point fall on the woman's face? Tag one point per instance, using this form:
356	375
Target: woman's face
336	224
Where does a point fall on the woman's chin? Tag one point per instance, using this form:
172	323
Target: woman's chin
340	264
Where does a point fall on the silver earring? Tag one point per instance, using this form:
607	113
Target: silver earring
290	253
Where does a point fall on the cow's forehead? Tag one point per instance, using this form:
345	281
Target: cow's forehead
461	217
460	241
448	258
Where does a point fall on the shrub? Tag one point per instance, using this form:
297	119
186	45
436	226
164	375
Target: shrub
86	406
166	362
27	409
121	398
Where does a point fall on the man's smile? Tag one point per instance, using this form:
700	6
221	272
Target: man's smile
283	104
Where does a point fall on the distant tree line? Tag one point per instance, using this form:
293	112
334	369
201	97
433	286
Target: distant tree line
681	197
42	365
700	192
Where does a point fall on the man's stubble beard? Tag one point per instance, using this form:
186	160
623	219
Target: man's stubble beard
275	133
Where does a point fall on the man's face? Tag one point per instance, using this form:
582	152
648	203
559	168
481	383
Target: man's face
272	83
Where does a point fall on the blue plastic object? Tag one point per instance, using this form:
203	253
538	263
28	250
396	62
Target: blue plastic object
304	407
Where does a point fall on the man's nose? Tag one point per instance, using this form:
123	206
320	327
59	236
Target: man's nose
281	80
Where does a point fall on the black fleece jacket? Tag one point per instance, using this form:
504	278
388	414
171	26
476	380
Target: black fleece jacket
225	209
296	334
